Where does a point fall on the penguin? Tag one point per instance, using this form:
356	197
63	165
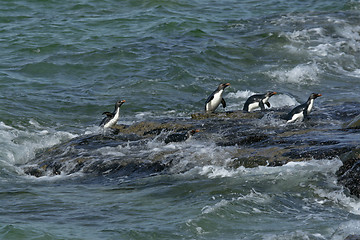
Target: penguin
111	118
216	98
258	101
180	137
302	111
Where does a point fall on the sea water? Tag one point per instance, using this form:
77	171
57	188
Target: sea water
63	63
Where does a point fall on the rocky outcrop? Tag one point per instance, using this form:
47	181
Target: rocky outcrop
246	139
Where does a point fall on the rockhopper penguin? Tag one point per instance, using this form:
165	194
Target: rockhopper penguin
216	98
302	111
258	101
111	118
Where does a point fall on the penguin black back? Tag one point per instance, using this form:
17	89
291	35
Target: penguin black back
258	101
302	111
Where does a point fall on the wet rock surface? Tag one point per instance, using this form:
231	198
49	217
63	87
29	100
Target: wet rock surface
349	173
247	140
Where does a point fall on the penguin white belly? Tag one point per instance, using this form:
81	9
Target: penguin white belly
265	100
214	103
253	106
297	116
112	121
309	108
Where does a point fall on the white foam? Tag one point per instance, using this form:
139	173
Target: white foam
298	234
355	73
210	209
321	50
345	229
338	197
34	123
302	74
143	115
53	178
206	159
337	51
240	94
4	126
304	35
282	100
17	146
93	130
349	32
216	171
220	170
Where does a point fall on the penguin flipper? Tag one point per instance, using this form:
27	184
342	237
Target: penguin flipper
268	104
211	97
108	114
306	116
246	107
103	122
261	105
223	102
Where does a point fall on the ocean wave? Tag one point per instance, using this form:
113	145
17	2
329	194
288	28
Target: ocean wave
334	45
291	169
302	191
302	74
20	144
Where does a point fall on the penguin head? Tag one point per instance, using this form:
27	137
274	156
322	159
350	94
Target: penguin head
192	132
119	103
270	93
315	95
223	85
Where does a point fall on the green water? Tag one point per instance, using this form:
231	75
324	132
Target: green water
64	63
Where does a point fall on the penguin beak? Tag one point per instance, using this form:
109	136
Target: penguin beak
274	93
192	132
225	85
123	101
319	95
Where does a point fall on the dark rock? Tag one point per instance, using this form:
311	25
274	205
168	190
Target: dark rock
250	162
253	139
228	115
152	128
317	152
233	139
34	171
349	173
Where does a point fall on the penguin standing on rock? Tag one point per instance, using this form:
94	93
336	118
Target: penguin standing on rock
111	118
302	111
258	101
216	98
